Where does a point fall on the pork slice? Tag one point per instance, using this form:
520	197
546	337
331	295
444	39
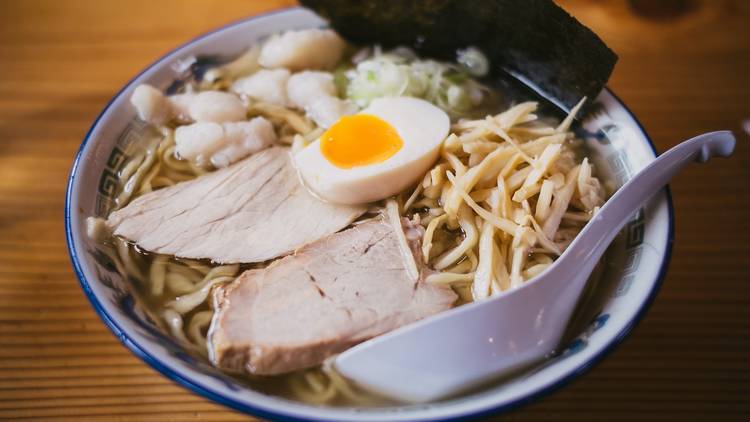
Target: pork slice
251	211
327	297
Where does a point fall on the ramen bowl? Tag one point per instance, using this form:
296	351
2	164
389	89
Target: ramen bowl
627	280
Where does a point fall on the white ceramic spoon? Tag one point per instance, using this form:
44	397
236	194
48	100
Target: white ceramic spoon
466	346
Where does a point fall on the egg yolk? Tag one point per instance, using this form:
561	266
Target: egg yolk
359	140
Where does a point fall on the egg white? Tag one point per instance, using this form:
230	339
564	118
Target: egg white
422	127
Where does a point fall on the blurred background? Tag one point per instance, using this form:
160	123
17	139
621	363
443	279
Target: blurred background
684	69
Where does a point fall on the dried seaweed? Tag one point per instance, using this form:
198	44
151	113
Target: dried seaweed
534	39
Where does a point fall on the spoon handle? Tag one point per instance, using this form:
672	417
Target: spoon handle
632	195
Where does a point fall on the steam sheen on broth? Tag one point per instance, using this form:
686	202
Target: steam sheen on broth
508	191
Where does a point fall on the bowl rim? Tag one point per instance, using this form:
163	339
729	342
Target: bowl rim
196	387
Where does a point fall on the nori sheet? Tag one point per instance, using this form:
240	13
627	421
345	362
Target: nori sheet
533	38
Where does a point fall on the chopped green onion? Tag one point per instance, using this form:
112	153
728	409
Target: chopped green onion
473	61
400	73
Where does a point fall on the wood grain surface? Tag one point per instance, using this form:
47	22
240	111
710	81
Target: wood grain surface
684	69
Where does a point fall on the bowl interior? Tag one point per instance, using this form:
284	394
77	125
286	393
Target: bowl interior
634	267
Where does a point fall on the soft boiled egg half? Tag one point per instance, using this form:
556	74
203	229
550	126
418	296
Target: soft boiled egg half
376	153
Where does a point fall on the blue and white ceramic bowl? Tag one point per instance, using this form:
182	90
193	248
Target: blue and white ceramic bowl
635	265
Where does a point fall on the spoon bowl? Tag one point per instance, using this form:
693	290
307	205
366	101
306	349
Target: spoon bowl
506	333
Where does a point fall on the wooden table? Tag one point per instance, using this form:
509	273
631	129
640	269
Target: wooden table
681	72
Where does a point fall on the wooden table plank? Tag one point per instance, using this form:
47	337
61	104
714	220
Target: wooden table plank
61	61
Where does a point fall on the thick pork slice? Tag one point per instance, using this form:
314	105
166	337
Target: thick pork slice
251	211
327	297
